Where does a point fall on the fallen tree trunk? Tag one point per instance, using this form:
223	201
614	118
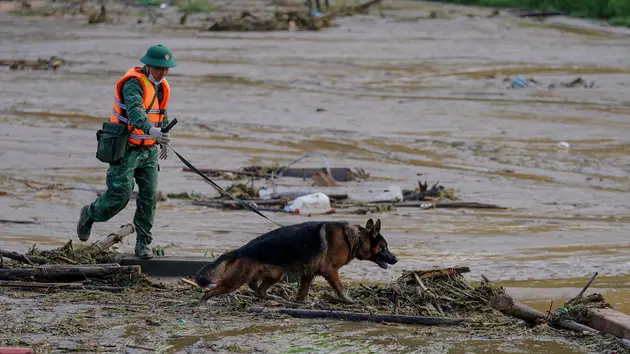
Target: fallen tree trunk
507	305
61	286
367	317
67	272
115	237
22	258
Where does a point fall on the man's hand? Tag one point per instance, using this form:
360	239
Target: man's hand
163	151
162	138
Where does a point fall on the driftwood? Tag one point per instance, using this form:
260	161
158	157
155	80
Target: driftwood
67	272
507	305
342	174
435	273
116	237
367	317
439	205
62	286
19	222
22	258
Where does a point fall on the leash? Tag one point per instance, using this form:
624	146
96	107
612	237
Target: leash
207	179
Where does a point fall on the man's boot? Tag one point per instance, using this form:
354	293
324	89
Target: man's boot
84	227
143	251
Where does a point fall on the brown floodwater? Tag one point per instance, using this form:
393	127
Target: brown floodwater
404	99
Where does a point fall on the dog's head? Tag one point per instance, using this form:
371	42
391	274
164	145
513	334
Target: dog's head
373	246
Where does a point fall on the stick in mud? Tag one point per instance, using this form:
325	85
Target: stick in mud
585	286
364	317
67	272
60	286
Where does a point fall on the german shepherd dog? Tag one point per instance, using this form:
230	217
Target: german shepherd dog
310	249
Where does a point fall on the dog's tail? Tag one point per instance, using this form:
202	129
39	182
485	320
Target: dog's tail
208	273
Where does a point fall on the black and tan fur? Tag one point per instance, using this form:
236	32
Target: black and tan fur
314	248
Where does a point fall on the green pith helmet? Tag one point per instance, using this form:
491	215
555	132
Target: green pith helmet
159	56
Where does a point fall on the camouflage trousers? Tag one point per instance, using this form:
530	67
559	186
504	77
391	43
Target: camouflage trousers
140	163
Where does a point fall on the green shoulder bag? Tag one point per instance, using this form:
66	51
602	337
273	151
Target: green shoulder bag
112	142
112	139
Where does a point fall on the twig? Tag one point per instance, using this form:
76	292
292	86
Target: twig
135	346
66	259
549	311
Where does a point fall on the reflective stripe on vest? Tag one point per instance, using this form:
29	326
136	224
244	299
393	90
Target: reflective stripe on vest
155	114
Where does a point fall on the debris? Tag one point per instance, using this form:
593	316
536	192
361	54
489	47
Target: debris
316	203
442	205
358	316
390	194
436	192
22	258
340	174
68	272
64	286
323	179
564	145
39	64
578	82
100	17
242	191
116	237
519	82
246	22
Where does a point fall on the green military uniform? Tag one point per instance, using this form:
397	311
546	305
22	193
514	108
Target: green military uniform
139	162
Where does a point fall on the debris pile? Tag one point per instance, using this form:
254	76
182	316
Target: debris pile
280	21
69	267
433	297
40	64
436	192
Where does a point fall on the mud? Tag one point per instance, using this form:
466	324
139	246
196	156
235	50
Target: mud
397	96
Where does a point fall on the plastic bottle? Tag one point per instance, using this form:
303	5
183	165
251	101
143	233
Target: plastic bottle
316	203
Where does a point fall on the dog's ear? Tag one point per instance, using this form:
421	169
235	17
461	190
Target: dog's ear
369	224
377	227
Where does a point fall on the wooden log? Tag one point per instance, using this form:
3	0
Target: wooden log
22	258
67	272
19	222
438	205
61	286
507	305
365	317
116	237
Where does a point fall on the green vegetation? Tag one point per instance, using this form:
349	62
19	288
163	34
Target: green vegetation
615	12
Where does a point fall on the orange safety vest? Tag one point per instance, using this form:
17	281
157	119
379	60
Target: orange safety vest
156	112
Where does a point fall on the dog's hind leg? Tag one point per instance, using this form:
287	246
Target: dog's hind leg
305	286
231	280
267	282
254	284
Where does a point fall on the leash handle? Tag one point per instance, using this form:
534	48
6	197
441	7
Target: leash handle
169	126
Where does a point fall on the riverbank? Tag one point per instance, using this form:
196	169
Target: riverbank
614	12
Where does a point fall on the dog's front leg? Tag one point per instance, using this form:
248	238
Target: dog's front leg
332	277
305	286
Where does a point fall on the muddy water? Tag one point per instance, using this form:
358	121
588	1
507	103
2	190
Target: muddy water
403	99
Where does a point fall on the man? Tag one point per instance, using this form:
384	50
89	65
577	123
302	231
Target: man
141	99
